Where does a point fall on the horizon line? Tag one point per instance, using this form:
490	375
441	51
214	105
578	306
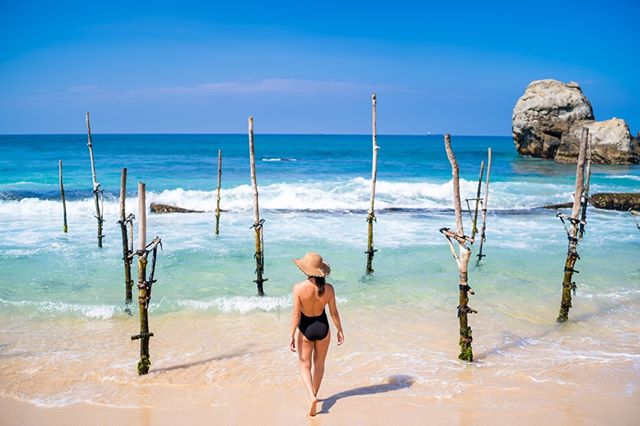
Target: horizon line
256	133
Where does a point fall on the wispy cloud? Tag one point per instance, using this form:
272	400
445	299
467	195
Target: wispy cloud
271	85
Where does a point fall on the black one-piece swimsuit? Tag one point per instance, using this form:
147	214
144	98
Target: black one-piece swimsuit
314	328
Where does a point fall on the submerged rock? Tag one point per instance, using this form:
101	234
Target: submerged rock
166	208
616	201
607	200
548	120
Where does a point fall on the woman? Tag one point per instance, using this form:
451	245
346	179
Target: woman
309	299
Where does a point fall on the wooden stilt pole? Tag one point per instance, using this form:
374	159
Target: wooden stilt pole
485	206
145	360
478	201
97	191
257	222
573	230
461	258
371	217
64	203
218	196
585	196
126	251
144	283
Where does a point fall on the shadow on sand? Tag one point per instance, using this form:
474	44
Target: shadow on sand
397	382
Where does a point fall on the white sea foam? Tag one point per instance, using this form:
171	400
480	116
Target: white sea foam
352	194
242	304
277	159
88	311
239	304
629	177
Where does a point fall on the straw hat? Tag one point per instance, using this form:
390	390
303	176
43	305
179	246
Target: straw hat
312	265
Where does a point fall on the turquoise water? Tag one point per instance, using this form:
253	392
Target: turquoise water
314	191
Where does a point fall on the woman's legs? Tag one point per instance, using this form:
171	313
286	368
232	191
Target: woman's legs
319	356
305	351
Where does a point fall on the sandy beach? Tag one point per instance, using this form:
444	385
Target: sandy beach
239	371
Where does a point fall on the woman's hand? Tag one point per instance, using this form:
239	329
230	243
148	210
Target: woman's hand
340	337
292	344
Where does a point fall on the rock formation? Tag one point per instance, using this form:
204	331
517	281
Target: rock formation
166	208
616	201
623	201
611	143
548	120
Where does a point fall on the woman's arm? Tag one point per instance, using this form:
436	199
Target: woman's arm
335	316
295	319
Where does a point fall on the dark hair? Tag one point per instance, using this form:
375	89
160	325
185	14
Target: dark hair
320	284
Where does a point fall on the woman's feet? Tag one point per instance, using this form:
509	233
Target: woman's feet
312	407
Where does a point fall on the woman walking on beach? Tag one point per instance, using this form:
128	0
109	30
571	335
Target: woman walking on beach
310	319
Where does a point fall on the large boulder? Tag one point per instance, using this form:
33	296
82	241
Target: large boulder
544	113
611	143
548	121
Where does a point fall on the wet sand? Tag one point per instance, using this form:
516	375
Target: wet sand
236	369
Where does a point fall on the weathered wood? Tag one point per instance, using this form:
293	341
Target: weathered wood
166	208
97	191
142	216
485	206
218	192
143	286
584	202
478	200
257	222
573	231
126	253
462	259
371	217
64	202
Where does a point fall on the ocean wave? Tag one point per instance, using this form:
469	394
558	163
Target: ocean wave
225	305
629	177
278	159
346	195
239	304
242	304
87	311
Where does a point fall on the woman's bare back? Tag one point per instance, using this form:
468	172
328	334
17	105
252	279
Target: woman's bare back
311	303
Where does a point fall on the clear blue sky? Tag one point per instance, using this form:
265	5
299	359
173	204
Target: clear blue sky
307	67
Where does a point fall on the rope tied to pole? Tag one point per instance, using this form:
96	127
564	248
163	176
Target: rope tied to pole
572	286
465	310
575	222
465	287
147	283
129	219
257	225
460	238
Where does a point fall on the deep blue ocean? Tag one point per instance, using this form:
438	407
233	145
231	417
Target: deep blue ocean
314	191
